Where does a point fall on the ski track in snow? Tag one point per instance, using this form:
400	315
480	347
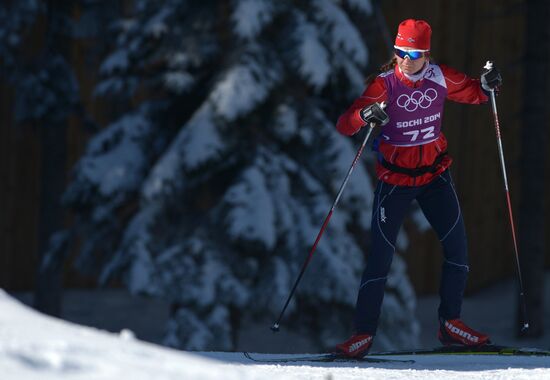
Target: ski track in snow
34	346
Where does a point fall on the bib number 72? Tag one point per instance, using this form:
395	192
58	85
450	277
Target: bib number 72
427	133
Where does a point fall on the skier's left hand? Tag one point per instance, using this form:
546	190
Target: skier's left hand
491	79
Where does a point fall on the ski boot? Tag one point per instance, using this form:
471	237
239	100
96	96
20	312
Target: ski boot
355	347
454	332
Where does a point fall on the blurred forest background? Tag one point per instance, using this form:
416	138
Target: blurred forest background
186	150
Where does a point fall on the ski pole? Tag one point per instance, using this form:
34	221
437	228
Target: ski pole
488	66
275	327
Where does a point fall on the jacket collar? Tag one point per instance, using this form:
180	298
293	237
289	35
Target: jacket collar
413	81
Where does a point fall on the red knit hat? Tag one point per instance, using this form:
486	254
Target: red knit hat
414	34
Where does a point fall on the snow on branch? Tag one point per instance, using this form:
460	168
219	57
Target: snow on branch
114	161
313	57
364	6
251	215
244	85
134	252
251	16
356	76
198	142
286	122
178	81
342	33
157	25
117	61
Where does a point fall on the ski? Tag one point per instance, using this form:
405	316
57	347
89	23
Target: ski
325	358
489	349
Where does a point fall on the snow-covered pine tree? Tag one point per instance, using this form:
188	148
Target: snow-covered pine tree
209	191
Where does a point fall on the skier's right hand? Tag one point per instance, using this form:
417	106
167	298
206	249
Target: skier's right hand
374	113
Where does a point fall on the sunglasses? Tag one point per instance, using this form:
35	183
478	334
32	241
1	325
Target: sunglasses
413	55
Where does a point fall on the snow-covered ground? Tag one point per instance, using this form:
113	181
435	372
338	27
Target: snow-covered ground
490	310
34	346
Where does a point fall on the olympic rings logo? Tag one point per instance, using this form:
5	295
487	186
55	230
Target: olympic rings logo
417	99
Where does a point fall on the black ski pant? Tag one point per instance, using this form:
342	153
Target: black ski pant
440	205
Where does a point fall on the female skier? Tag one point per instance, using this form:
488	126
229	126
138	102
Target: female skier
413	163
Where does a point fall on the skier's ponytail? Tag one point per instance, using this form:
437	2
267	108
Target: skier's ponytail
385	67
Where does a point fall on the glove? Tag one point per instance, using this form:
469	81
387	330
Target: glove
374	114
491	79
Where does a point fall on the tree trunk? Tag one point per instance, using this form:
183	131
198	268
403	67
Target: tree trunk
533	157
52	129
48	287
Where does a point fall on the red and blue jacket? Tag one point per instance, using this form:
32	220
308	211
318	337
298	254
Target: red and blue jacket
411	148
